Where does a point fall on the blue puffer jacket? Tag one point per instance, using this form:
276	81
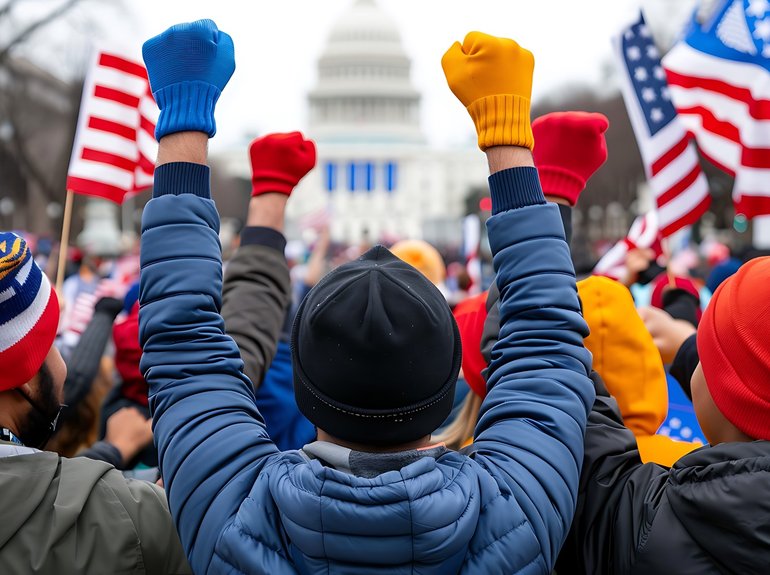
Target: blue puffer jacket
242	506
288	428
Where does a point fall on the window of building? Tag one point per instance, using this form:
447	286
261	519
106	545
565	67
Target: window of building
352	177
391	176
368	168
330	176
361	176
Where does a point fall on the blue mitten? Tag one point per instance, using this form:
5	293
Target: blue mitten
189	66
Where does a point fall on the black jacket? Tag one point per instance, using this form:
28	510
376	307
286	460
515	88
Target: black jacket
710	513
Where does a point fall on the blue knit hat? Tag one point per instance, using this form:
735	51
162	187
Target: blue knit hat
721	272
29	313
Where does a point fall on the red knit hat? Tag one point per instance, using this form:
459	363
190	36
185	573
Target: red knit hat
470	315
29	313
734	350
128	353
569	148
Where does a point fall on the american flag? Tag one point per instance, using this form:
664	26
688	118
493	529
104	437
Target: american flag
670	159
719	75
644	234
115	148
78	314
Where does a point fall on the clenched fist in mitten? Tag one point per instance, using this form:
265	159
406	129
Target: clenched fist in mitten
570	148
279	162
492	77
188	66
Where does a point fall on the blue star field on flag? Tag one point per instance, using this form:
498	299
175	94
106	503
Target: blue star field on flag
647	76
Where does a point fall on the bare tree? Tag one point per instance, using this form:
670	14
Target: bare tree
29	28
38	114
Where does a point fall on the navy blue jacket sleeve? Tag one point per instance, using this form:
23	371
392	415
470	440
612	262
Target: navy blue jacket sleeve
103	451
211	439
532	421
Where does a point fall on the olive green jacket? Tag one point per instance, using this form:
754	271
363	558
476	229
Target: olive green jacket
77	515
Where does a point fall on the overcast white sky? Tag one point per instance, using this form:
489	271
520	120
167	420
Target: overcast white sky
277	43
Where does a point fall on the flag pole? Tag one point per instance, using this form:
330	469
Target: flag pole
65	237
669	271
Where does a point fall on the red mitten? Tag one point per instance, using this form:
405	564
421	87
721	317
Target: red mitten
279	162
570	148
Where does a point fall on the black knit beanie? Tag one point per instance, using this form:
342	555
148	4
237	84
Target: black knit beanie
375	352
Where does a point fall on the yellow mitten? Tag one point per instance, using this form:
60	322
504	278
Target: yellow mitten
492	77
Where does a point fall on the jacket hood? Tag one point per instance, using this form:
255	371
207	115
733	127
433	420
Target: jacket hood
722	496
22	497
425	513
624	354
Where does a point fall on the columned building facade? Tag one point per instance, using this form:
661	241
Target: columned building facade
376	174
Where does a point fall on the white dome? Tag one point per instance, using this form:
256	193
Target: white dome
364	22
364	91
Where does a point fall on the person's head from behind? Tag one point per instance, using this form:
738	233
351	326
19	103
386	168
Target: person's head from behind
376	354
731	385
32	372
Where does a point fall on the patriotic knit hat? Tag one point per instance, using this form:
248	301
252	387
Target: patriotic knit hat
29	313
734	350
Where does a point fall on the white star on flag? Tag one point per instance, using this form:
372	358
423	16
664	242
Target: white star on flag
644	31
629	34
665	93
656	115
758	8
766	51
652	52
659	72
762	29
640	74
634	53
648	95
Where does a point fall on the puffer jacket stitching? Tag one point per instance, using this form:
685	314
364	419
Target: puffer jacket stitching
222	557
323	530
472	554
233	568
411	516
259	542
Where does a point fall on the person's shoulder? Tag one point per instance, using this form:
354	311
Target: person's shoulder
718	497
722	462
103	482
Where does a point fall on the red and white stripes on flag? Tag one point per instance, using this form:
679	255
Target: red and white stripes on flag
670	159
720	84
115	147
644	234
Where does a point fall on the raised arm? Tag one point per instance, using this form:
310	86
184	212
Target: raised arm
531	424
257	290
211	440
